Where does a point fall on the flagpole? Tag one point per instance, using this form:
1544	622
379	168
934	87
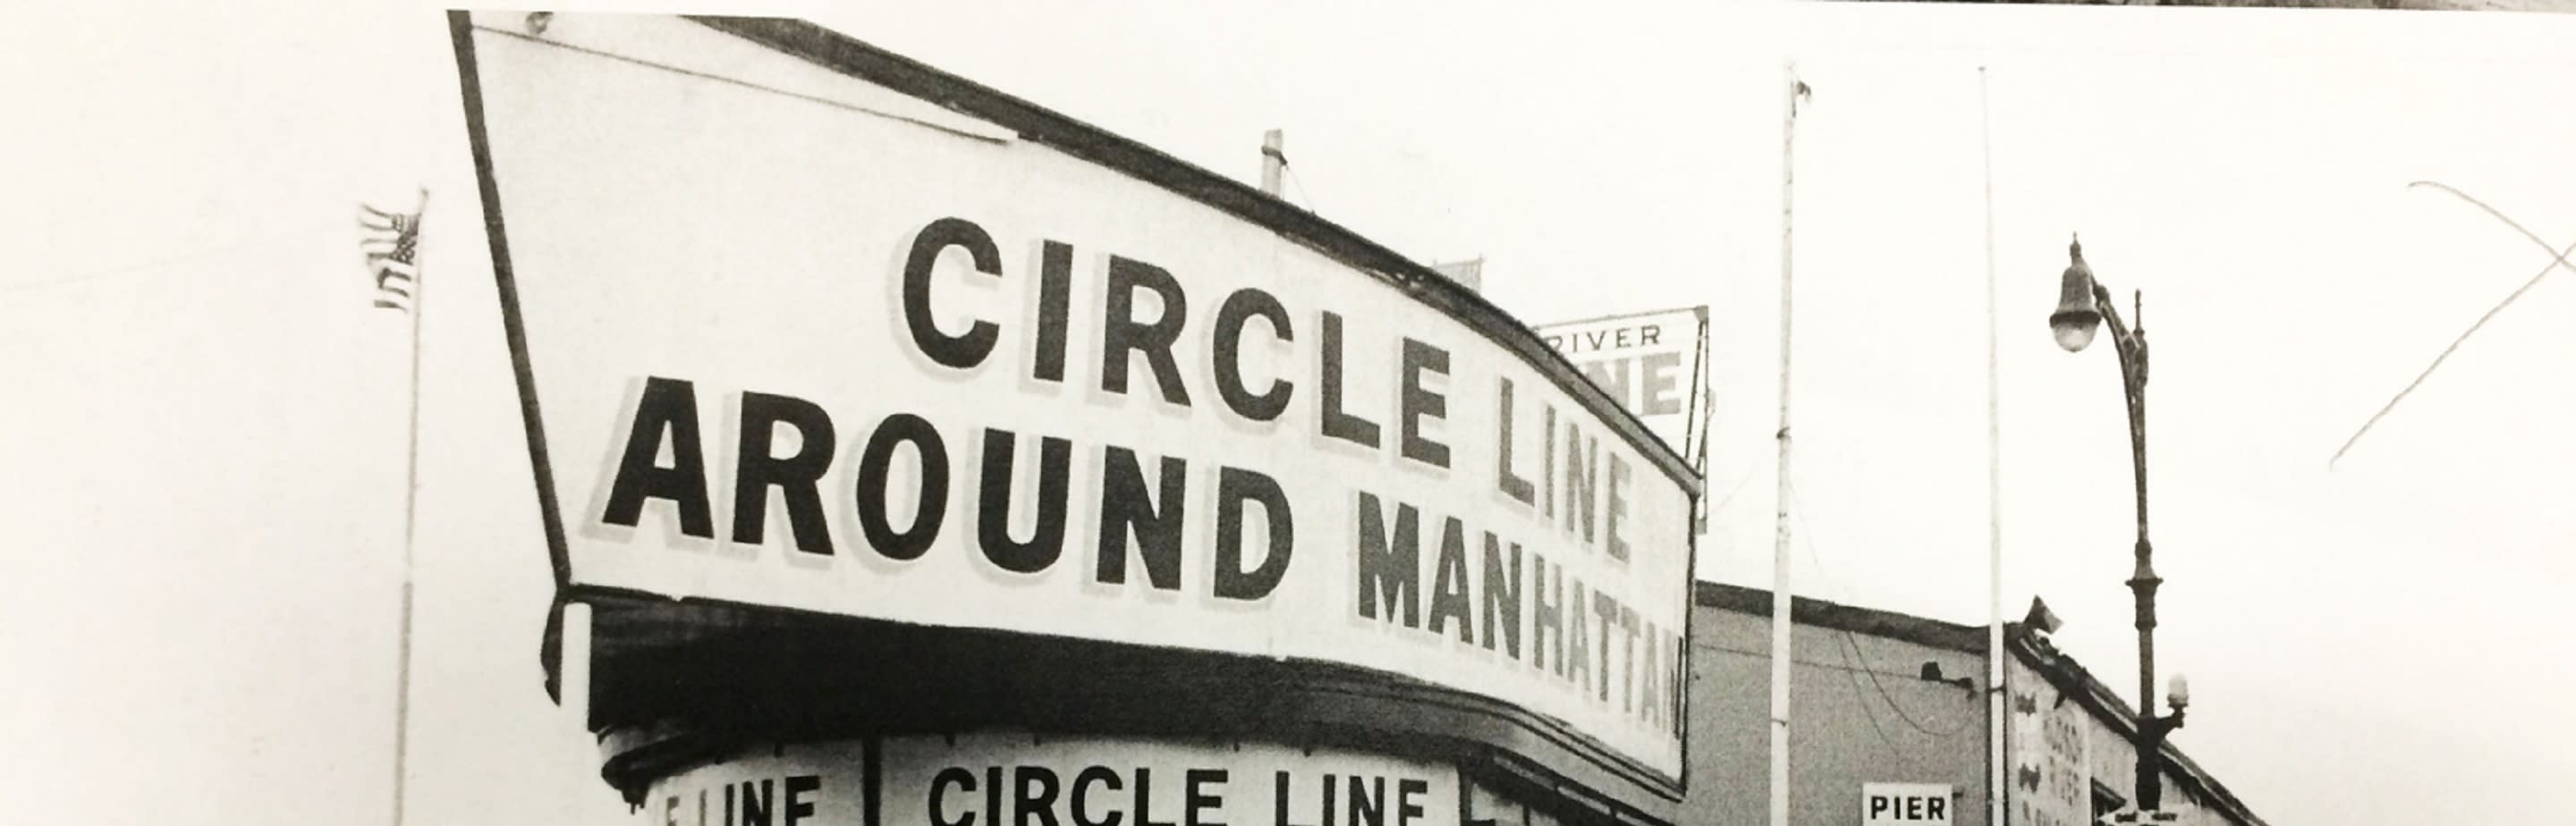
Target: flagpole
1994	488
1780	596
411	507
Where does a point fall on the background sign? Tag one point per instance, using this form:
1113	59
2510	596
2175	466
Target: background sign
1907	804
1652	362
837	349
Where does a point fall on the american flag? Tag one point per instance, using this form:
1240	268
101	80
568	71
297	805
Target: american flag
391	242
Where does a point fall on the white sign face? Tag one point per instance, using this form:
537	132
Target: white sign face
1906	804
820	352
994	779
1003	780
1649	362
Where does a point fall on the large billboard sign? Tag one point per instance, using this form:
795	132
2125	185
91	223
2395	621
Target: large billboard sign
790	338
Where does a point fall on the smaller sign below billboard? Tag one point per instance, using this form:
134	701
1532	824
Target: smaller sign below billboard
999	779
986	779
1907	804
791	785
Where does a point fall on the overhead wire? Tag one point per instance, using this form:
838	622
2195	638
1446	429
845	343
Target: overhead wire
1738	487
1842	663
1814	554
1300	181
142	267
2558	260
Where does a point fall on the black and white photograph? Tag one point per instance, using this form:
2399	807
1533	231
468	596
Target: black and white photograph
1154	413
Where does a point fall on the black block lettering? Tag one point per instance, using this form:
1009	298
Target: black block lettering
798	808
756	470
757	806
1036	794
1502	597
668	407
1547	459
1582	481
993	516
1607	609
1145	800
1368	801
1337	424
1125	509
1081	803
1390	567
1055	303
1547	616
1578	635
1200	794
1120	335
1234	487
961	351
1611	540
1239	307
1418	403
1511	484
1450	602
874	464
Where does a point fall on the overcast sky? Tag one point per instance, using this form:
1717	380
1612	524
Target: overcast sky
205	422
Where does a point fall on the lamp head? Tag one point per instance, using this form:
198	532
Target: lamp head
2076	318
2178	692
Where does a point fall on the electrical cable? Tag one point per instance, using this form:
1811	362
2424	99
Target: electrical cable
1843	665
1300	181
1814	555
1747	476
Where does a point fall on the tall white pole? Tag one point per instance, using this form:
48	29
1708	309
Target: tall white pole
411	507
1994	491
1780	599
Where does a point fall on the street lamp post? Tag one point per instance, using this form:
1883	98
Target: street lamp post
2084	304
